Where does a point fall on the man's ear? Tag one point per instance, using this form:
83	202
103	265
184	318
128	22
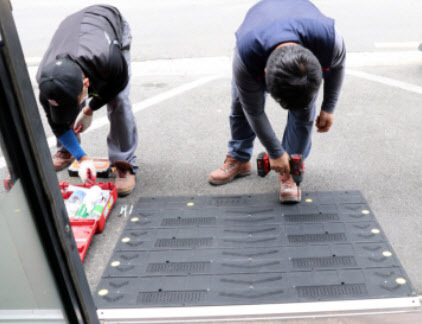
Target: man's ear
86	82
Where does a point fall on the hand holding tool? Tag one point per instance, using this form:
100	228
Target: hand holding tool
87	171
102	167
297	167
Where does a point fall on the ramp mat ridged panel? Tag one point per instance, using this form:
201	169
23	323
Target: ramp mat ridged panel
240	249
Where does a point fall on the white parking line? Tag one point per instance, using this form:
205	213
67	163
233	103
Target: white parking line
395	58
198	66
397	44
386	81
97	123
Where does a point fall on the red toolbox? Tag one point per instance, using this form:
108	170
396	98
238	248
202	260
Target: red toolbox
83	231
85	228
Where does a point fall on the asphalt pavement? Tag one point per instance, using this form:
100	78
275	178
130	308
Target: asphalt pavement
181	97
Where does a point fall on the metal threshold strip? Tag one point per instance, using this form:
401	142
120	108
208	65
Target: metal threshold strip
352	308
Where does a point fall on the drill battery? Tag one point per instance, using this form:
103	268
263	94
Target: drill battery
263	164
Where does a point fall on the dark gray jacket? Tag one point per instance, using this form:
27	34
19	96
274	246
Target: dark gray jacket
92	38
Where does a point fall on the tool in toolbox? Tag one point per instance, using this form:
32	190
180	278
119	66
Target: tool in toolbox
102	165
84	225
297	167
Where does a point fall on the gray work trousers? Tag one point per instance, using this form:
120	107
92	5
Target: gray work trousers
122	139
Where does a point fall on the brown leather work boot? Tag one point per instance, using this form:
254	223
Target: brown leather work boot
62	160
289	192
230	170
125	179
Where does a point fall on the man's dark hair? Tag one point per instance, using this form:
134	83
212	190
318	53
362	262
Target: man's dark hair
293	76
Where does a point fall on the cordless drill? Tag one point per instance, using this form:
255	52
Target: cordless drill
297	167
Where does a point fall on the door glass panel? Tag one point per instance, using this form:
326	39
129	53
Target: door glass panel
28	292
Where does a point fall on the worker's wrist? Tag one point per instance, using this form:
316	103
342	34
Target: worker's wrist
276	155
70	142
328	110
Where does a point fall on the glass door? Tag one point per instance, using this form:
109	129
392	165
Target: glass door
41	276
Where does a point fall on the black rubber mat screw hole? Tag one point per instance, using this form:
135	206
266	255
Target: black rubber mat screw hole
342	282
167	261
160	290
334	255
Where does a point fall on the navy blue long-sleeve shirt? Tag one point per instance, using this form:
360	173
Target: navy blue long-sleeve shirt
266	26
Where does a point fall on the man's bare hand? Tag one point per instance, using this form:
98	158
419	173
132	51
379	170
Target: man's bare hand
324	122
281	165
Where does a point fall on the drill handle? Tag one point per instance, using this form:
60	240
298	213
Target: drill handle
297	167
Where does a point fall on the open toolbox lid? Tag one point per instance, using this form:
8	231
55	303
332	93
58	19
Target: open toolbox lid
83	231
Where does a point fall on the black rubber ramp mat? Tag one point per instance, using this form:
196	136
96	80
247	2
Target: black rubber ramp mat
239	250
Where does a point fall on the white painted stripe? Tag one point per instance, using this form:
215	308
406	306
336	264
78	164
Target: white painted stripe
102	121
174	92
397	58
396	44
386	81
173	67
222	64
184	66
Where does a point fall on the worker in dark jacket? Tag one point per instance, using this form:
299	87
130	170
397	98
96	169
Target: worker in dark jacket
285	48
88	58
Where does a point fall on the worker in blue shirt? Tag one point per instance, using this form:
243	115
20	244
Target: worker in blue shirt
285	48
